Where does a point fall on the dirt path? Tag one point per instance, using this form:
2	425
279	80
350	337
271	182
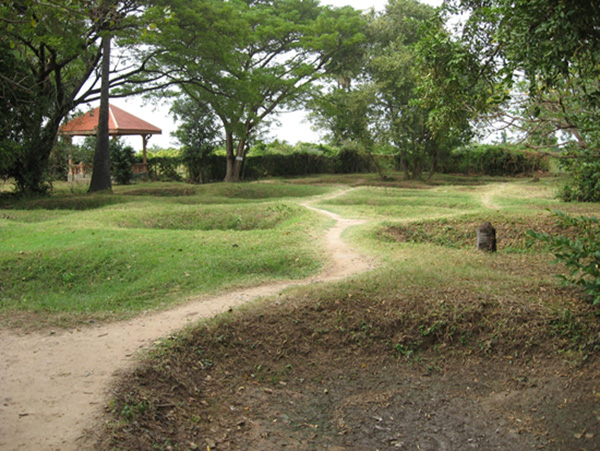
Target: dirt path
54	384
494	190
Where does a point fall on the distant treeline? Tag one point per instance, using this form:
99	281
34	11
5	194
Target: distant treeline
283	160
484	159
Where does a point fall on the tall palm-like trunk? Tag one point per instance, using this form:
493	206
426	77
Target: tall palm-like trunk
101	173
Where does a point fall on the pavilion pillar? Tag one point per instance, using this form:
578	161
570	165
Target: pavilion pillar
145	139
68	139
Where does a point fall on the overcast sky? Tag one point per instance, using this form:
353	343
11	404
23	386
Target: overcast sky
294	126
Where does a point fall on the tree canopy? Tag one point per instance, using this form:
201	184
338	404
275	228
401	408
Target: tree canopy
398	77
380	101
50	51
247	58
541	63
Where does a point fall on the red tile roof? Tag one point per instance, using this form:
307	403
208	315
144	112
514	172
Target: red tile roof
119	123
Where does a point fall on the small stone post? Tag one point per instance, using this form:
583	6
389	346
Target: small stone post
486	237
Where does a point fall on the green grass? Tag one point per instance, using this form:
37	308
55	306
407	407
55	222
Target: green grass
419	202
436	309
385	203
395	179
151	245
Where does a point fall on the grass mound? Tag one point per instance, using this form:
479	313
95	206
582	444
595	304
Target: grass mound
444	346
374	363
76	202
240	217
124	271
103	255
163	192
461	232
402	204
220	191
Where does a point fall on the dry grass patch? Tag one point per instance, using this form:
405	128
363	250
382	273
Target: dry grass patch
378	362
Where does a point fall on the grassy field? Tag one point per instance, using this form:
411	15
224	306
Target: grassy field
75	256
439	337
438	333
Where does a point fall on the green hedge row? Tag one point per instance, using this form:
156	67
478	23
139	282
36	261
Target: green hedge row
494	160
296	164
304	163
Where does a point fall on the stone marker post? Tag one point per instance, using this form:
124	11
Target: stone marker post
486	237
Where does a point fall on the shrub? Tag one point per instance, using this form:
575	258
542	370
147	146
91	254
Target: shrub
584	184
213	168
8	150
278	165
164	165
580	254
195	161
350	161
122	159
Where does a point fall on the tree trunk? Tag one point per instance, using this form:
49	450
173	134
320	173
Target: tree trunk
101	172
416	170
31	167
229	174
235	160
382	176
404	164
433	166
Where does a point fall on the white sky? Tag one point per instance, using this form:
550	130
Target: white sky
294	126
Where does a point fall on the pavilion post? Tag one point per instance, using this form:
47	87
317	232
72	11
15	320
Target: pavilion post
69	141
145	144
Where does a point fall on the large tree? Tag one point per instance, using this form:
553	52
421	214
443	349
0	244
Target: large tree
541	61
380	100
51	52
198	133
247	58
345	113
101	180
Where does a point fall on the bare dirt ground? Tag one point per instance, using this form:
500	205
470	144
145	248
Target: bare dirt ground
381	364
54	383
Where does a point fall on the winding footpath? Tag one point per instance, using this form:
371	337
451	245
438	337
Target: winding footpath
54	385
486	197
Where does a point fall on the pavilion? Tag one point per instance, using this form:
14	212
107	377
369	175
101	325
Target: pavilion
120	123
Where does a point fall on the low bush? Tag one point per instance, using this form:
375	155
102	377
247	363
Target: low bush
164	165
306	162
278	165
122	159
584	183
580	254
349	160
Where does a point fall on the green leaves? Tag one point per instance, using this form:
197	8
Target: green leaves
533	65
580	252
49	50
246	59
